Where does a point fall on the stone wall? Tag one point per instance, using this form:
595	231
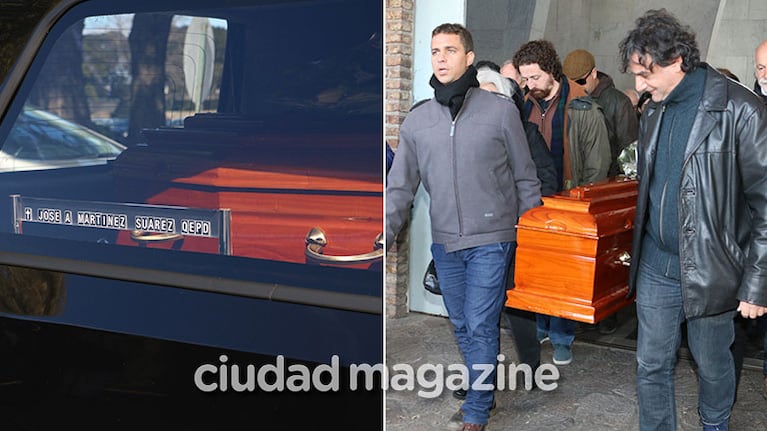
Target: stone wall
399	85
741	27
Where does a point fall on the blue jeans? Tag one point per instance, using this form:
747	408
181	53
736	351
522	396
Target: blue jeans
559	330
660	314
473	283
762	324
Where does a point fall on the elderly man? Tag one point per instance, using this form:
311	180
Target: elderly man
760	64
510	71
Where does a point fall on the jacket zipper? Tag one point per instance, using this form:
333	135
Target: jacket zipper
660	217
665	187
543	116
455	164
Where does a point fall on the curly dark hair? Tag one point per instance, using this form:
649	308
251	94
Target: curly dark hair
660	36
542	53
461	31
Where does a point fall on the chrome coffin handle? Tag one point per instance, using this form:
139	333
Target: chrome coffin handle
624	259
316	240
143	238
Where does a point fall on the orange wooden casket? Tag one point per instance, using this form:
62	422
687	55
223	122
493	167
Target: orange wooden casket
294	197
572	255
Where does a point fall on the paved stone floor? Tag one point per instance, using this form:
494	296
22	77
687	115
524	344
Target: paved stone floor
595	392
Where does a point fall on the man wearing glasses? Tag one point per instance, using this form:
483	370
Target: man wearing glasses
760	86
622	122
574	130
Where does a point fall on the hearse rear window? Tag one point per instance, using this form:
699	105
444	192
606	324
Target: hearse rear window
247	131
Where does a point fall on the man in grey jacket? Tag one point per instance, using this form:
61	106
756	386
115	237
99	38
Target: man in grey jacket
468	148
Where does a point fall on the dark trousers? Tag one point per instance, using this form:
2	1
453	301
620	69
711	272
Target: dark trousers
524	327
524	331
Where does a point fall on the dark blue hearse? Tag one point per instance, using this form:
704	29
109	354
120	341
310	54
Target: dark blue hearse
190	214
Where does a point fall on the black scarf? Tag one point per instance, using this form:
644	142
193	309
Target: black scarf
452	95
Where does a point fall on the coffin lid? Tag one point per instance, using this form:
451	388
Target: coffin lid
580	210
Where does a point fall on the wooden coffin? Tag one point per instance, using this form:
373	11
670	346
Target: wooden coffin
573	252
287	192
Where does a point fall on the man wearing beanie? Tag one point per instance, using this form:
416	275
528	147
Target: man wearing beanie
468	148
620	116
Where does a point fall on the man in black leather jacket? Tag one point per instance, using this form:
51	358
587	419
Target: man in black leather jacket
700	233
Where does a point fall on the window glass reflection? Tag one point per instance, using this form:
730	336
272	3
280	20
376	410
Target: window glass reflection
267	118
